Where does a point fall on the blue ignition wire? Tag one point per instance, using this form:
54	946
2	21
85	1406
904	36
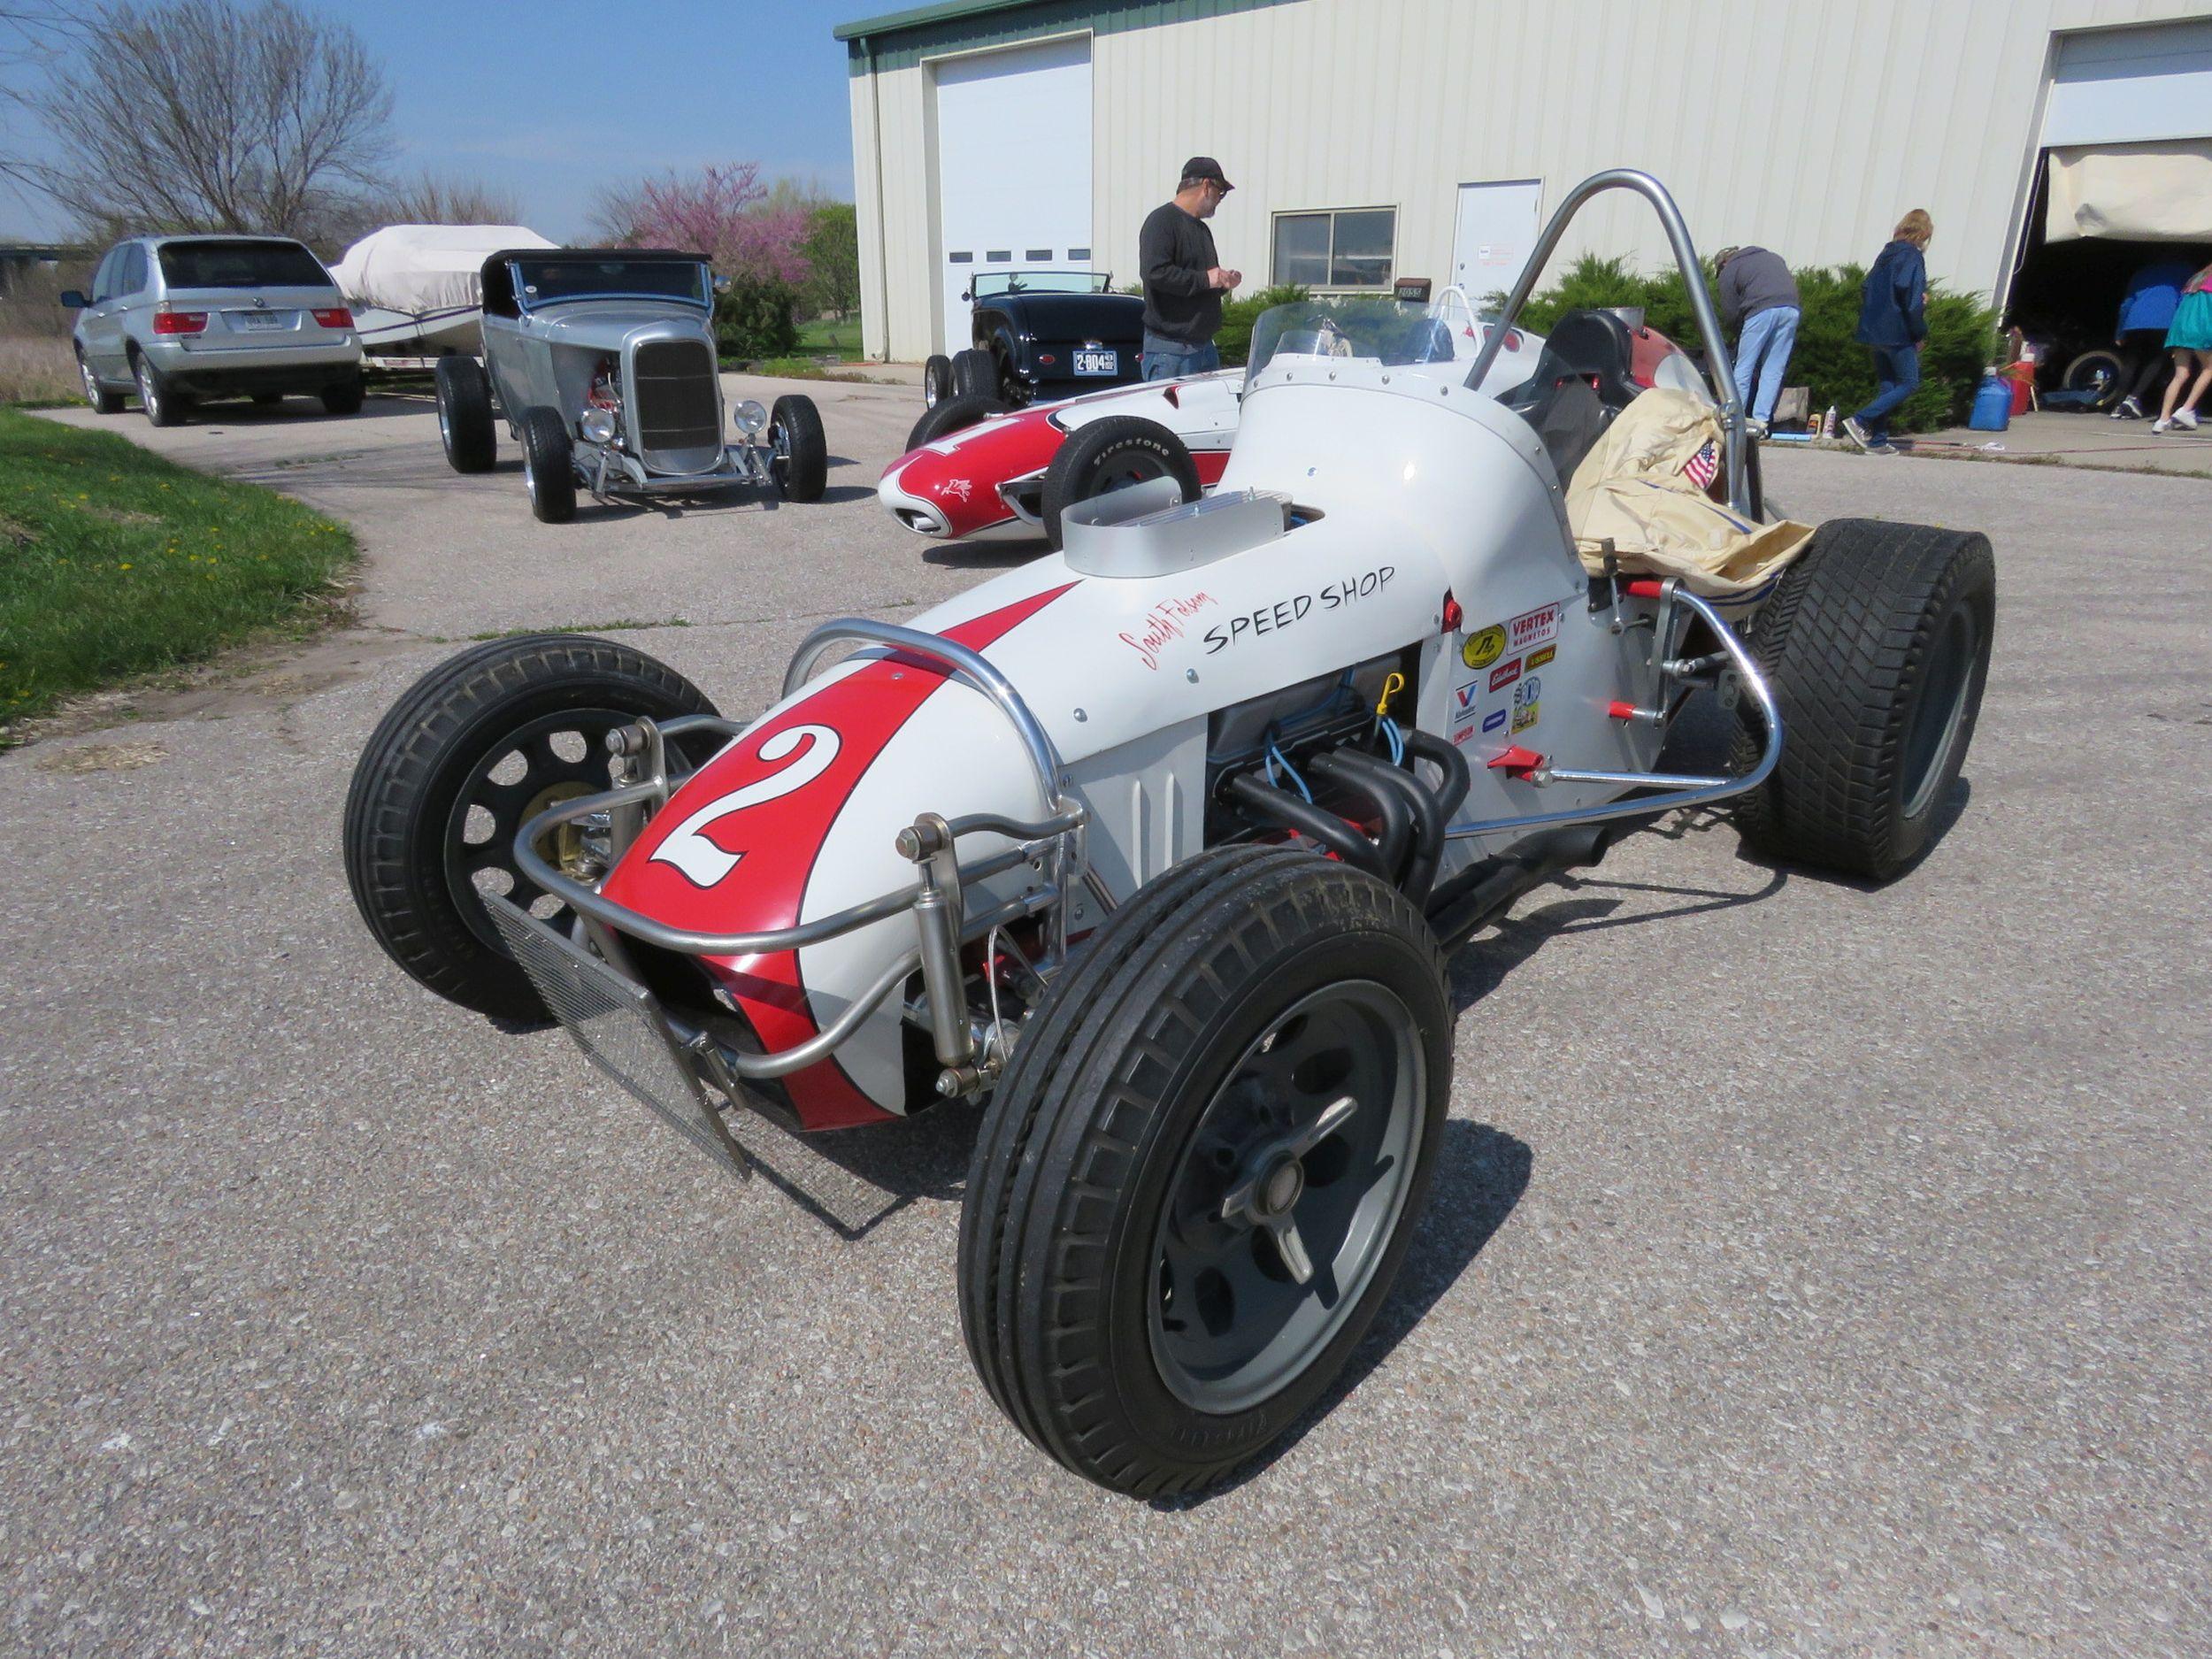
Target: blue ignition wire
1275	753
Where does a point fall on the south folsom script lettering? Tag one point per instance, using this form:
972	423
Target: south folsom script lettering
1164	622
1287	612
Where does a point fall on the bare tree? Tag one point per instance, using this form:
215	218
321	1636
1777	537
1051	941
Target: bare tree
212	115
431	198
32	38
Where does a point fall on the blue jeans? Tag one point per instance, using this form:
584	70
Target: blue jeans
1763	349
1897	370
1167	359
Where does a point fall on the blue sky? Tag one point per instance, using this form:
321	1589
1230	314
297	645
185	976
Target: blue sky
553	99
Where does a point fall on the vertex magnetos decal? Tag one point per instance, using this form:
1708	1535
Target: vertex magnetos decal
1538	626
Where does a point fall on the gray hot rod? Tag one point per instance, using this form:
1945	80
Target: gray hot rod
601	360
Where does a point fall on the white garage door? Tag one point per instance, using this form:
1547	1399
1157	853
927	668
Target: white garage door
2131	85
1013	168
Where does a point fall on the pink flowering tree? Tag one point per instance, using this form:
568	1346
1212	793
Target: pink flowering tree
724	211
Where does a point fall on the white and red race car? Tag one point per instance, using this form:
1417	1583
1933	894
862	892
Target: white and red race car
1160	842
975	469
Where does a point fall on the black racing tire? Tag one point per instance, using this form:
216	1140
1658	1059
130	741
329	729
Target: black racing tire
2102	370
1108	455
465	414
936	380
97	396
414	841
267	400
950	415
549	465
1877	645
975	373
164	406
346	398
1105	1129
798	453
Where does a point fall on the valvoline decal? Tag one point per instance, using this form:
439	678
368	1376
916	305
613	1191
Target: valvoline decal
733	852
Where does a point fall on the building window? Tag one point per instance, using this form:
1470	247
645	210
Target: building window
1079	253
1346	247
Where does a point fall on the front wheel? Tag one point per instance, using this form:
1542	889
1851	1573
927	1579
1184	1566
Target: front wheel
1877	643
1202	1170
480	745
936	380
798	454
549	465
1112	454
975	373
103	402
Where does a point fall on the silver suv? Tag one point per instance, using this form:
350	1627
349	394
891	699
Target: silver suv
183	318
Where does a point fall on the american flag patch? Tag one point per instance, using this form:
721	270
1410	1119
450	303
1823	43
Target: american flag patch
1703	467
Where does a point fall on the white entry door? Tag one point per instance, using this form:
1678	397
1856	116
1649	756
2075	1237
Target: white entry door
1013	169
1495	229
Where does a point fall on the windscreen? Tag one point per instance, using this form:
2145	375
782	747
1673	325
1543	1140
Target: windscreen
241	264
1390	331
990	283
545	281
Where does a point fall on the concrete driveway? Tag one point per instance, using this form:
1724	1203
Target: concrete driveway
1811	1269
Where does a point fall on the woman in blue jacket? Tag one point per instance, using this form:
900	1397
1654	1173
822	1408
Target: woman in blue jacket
1893	322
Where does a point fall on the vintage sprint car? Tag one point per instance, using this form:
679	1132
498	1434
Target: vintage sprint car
1042	334
603	362
976	469
1158	845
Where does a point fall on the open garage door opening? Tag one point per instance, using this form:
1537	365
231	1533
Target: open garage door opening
2124	187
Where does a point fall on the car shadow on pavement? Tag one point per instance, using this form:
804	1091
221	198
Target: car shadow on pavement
984	555
1480	1175
854	1182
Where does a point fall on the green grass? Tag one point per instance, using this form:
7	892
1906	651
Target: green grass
843	338
114	562
794	369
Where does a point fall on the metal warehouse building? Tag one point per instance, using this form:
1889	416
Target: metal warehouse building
1371	140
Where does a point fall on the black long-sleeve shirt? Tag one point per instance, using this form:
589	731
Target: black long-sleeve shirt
1175	250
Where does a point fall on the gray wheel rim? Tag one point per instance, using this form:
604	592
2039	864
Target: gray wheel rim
779	455
445	427
91	382
1941	710
1307	1150
148	398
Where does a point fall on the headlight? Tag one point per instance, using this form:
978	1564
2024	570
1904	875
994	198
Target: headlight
750	417
599	425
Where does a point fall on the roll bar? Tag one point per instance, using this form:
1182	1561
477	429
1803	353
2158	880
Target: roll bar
1720	370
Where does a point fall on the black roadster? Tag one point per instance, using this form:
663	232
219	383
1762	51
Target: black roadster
1041	335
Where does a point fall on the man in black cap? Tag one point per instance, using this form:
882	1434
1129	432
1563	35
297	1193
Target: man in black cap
1184	279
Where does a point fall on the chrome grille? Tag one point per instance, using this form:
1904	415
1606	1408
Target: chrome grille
679	400
617	1025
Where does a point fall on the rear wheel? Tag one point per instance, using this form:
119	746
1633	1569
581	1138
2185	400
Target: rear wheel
951	415
549	465
1196	1181
798	453
476	748
1112	454
975	373
164	407
936	380
102	401
1877	644
2099	372
345	398
465	415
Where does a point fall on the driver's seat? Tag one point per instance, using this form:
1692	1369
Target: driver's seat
1598	347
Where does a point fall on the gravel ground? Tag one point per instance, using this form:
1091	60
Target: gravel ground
1811	1270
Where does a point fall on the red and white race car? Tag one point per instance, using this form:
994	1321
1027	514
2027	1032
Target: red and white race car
975	469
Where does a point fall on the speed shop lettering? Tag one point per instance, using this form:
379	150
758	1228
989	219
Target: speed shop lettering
1286	612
